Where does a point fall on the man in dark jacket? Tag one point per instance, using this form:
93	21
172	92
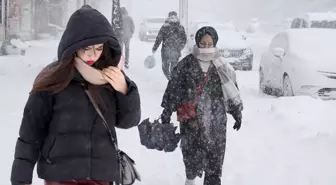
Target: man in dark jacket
127	33
173	38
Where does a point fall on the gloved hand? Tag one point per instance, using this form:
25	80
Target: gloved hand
165	116
153	52
237	125
165	119
171	138
238	118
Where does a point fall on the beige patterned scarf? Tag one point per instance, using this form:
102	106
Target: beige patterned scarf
90	74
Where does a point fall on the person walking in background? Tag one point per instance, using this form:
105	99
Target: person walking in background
126	33
61	130
202	89
173	37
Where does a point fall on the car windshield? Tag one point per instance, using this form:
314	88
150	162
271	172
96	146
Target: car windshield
322	20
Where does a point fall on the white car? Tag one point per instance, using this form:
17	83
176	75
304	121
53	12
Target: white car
315	20
300	62
232	44
150	27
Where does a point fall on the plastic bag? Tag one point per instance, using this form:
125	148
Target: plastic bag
150	62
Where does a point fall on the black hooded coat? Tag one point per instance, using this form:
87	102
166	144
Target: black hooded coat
172	35
203	138
62	132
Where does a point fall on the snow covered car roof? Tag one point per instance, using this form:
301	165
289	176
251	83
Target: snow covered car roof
313	44
312	35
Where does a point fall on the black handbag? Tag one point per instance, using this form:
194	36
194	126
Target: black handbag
128	172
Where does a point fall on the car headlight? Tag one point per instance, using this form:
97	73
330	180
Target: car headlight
247	51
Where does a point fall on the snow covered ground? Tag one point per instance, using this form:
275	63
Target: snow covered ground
288	141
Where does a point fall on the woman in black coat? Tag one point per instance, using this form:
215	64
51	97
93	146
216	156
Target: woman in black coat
61	130
202	89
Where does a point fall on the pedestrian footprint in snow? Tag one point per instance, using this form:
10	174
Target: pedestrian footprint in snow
62	129
202	89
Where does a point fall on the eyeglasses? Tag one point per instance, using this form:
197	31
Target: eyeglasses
206	45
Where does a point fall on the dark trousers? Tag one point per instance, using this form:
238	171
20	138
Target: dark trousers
169	61
81	182
199	157
126	43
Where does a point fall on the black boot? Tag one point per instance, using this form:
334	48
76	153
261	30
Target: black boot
212	179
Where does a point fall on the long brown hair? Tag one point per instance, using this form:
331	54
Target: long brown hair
56	77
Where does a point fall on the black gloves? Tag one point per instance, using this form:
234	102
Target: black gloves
164	133
165	116
238	118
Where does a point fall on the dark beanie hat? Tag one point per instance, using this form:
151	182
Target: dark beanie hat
206	30
172	13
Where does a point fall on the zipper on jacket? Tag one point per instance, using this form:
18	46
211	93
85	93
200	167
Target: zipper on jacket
90	142
90	148
48	154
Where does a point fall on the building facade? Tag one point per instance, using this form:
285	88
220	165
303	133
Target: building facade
16	19
3	19
52	16
32	19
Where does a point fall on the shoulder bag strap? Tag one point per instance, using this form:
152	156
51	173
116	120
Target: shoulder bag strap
201	87
104	121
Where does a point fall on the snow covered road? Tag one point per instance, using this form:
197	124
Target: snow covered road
288	141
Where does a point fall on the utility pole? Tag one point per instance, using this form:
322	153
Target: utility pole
183	13
116	20
5	19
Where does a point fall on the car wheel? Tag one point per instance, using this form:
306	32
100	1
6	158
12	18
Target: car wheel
287	89
263	88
